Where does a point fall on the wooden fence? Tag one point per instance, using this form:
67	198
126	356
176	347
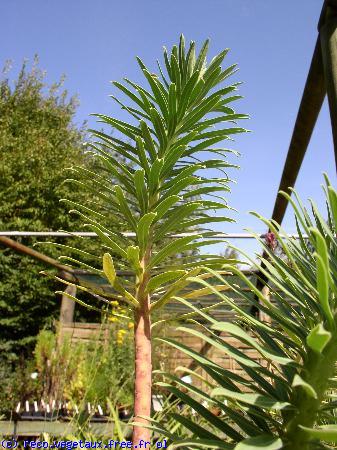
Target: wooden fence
165	356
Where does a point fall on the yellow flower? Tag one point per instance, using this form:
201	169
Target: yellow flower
130	325
120	336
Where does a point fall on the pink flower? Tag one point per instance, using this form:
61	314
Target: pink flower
271	240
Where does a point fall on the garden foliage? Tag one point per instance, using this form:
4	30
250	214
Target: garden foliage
86	371
287	399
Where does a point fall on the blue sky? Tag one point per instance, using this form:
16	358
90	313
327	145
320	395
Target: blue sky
272	42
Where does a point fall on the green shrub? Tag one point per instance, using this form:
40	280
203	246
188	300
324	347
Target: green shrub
86	372
17	384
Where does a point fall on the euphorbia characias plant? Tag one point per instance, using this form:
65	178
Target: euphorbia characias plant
285	398
161	188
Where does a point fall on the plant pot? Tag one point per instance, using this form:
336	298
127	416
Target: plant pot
125	412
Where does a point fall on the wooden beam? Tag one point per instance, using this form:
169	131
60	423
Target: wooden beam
328	37
20	248
310	106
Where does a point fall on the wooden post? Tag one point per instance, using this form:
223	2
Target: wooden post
328	37
310	106
67	306
66	312
263	316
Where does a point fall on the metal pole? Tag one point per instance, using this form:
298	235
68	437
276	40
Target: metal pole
328	39
90	234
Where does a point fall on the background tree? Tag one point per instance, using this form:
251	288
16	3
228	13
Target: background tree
37	141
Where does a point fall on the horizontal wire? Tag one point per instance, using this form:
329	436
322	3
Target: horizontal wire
129	234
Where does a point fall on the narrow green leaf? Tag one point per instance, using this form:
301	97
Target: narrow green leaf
201	60
261	401
155	175
149	144
175	72
198	113
224	133
318	338
130	94
163	207
333	204
179	186
223	346
160	130
167	63
107	241
144	163
264	441
167	84
172	105
159	92
201	443
324	432
186	172
163	278
124	207
133	256
181	52
125	128
141	189
323	287
216	422
299	382
124	179
139	115
109	268
143	229
171	248
185	95
117	421
76	300
196	429
171	158
177	216
190	59
175	288
216	61
241	334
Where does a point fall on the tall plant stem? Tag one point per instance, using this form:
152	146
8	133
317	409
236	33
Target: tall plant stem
317	371
143	360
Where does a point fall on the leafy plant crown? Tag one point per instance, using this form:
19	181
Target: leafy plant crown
161	187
